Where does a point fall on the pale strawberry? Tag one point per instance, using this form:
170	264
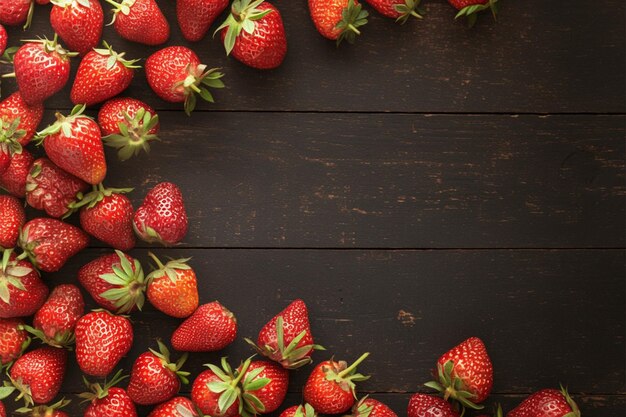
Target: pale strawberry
13	340
212	327
107	400
162	216
38	374
12	218
55	321
173	287
22	291
78	23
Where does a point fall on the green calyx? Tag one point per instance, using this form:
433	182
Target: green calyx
23	390
123	7
361	409
98	391
164	355
352	17
11	274
10	135
228	386
44	410
6	390
114	57
63	123
252	404
134	134
129	285
345	376
53	46
409	8
60	340
98	194
471	11
451	386
243	14
169	269
305	410
7	57
198	81
570	401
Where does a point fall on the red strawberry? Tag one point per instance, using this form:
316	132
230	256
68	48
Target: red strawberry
338	19
330	388
264	387
102	340
13	340
465	373
13	179
42	69
162	217
299	411
55	321
12	218
102	74
78	23
140	21
38	374
16	12
4	38
175	74
129	125
21	290
254	34
216	391
422	405
547	403
14	109
176	407
196	16
369	407
49	243
74	143
212	327
470	8
154	378
115	281
107	400
53	410
173	288
400	10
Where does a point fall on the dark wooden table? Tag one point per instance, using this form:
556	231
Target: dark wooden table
427	184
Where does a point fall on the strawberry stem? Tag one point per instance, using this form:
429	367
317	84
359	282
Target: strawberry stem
352	367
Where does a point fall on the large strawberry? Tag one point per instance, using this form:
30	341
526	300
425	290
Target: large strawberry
264	387
13	179
16	12
74	143
176	75
465	373
13	340
299	411
254	34
38	374
162	217
330	388
107	400
338	19
422	405
140	21
55	321
176	407
547	403
115	281
78	23
154	378
22	291
369	407
49	243
400	10
173	287
53	410
102	340
217	391
102	74
12	218
196	16
18	120
212	327
470	8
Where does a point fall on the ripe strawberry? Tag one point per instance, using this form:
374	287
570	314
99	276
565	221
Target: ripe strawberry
470	8
547	403
162	217
195	17
13	179
102	340
74	143
15	111
16	12
369	407
264	387
38	374
129	125
78	23
254	34
12	218
13	340
53	410
173	287
107	400
422	405
4	38
21	290
465	373
176	407
49	243
212	327
400	10
299	411
175	74
154	378
330	388
338	19
140	21
55	321
115	282
217	391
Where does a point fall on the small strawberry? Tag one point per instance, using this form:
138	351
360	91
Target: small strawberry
217	391
254	34
129	125
107	400
74	143
154	378
55	321
422	405
16	12
49	243
264	387
369	407
140	21
13	340
330	388
470	8
38	374
212	327
102	340
400	10
338	19
162	217
115	281
4	38
102	74
22	291
14	112
176	75
195	17
78	22
299	411
176	407
465	373
53	410
13	179
173	287
547	403
12	218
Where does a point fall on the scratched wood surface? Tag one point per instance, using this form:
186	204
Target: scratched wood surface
424	185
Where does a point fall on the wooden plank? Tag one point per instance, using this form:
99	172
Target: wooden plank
540	57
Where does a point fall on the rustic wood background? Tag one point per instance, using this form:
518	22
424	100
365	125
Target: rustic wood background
427	184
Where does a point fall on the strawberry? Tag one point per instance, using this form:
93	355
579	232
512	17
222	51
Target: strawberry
140	21
78	22
470	8
176	407
465	373
4	38
287	338
129	125
400	10
422	405
212	327
173	287
299	411
13	179
13	340
102	74
12	218
102	340
338	19
53	410
162	217
74	143
254	34
196	16
547	403
175	74
369	407
330	388
107	400
264	387
154	378
217	391
49	243
42	68
18	120
38	374
55	321
115	282
22	291
16	12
